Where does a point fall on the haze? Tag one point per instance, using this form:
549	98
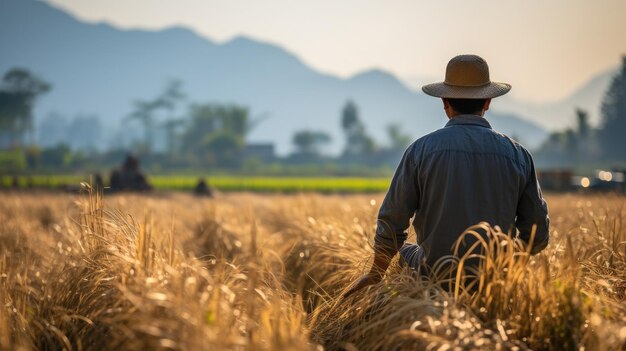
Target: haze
546	49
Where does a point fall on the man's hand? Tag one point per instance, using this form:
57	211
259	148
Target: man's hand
379	267
370	278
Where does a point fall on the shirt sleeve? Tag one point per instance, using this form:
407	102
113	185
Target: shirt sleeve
400	203
532	210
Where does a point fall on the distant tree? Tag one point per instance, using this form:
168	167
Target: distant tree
217	133
169	100
308	142
84	132
553	151
52	130
584	129
13	161
172	127
223	148
235	119
144	112
613	127
587	138
572	144
32	154
357	140
210	118
172	95
350	117
399	140
57	156
18	93
571	147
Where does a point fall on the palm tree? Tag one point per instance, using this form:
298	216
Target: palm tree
144	113
18	93
169	100
171	126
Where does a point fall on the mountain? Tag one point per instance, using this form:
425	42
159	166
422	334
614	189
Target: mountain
561	114
100	69
556	115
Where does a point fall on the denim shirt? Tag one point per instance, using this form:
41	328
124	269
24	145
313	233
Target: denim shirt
458	176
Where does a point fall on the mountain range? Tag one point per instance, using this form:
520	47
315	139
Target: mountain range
96	68
560	114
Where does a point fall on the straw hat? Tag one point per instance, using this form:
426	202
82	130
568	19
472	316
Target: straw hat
467	77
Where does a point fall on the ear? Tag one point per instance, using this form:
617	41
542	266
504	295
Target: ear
447	108
486	105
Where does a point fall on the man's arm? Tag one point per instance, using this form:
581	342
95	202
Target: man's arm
532	210
394	218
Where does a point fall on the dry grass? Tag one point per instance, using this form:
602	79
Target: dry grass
170	271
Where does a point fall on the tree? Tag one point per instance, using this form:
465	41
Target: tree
350	117
357	140
172	127
571	143
583	123
169	100
587	141
309	142
57	156
52	129
399	140
571	147
613	126
217	133
144	112
84	132
223	148
18	93
171	96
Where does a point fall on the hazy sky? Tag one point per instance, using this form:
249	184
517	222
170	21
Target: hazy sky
545	48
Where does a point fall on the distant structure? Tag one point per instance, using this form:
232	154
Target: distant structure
556	180
129	177
202	189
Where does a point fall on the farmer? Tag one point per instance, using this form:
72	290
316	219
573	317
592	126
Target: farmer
458	176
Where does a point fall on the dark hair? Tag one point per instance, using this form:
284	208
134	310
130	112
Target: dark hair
467	105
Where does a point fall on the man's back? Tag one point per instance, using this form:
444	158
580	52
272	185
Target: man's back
458	176
463	174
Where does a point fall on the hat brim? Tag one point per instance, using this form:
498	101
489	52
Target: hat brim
443	90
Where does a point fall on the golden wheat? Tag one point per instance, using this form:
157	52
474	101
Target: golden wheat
171	271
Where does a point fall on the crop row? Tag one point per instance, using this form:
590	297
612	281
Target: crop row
222	183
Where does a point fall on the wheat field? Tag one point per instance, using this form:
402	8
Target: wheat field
169	271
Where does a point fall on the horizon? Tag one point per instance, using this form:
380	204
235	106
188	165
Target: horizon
544	80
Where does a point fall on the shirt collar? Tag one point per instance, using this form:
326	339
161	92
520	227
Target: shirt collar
468	119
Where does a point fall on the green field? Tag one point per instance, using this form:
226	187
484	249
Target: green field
225	183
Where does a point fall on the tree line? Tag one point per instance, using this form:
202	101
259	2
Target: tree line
176	133
588	146
358	143
173	133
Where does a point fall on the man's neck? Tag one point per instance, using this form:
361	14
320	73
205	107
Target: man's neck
456	114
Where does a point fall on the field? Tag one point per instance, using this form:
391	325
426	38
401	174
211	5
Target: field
226	183
265	272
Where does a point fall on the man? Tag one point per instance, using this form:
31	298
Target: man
129	177
458	176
